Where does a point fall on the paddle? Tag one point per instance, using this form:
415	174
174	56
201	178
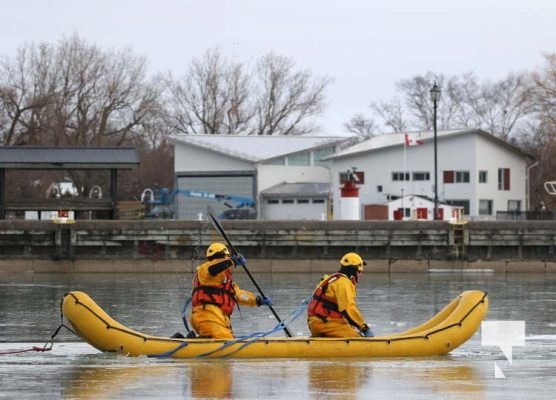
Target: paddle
235	252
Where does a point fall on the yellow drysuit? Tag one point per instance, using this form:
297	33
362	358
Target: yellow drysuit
333	312
214	298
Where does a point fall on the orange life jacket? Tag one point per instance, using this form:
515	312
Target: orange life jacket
321	305
221	296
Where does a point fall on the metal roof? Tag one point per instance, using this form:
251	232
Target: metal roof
398	139
42	157
258	148
298	189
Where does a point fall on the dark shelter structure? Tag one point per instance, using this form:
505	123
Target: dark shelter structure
65	158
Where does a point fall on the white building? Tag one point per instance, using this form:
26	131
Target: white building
476	171
420	208
285	175
296	201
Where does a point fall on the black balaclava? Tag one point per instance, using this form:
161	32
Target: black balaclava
350	272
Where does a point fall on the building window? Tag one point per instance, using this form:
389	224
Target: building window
400	176
302	201
319	154
287	201
485	207
318	201
456	176
421	176
276	161
300	159
482	176
272	201
379	188
462	176
503	179
514	205
460	203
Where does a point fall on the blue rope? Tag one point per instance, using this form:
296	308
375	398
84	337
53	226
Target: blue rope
250	339
183	313
169	353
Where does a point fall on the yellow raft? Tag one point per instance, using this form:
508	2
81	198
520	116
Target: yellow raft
448	329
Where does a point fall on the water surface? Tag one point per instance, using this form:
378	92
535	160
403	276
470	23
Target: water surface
29	315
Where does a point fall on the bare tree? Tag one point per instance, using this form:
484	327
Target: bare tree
416	91
497	107
494	106
363	127
26	88
211	98
540	138
74	93
392	114
413	110
287	99
220	97
543	91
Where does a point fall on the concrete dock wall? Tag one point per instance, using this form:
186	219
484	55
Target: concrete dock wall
278	246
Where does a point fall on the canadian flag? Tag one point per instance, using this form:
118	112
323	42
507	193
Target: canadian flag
412	142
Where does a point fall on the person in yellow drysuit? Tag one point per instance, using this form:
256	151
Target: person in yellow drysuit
332	311
215	294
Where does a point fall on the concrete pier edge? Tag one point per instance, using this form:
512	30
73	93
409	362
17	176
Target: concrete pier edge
275	266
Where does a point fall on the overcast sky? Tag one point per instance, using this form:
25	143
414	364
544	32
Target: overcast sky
366	46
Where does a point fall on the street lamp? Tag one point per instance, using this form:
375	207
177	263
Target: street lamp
435	96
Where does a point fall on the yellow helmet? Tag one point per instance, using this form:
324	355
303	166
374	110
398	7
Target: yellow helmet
217	248
353	260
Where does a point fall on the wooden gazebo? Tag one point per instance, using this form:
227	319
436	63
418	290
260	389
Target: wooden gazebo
65	158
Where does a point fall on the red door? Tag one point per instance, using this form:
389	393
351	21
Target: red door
441	214
422	213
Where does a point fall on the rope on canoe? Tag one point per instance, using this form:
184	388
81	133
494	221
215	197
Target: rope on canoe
169	353
459	323
184	313
250	339
34	348
49	343
105	322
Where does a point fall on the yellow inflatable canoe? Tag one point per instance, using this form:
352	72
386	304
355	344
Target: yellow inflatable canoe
448	329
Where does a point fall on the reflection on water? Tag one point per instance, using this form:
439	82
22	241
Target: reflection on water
190	380
224	379
464	379
29	312
337	380
212	380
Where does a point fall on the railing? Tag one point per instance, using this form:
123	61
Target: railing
538	215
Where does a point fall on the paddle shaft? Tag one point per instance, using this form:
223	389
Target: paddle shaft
219	228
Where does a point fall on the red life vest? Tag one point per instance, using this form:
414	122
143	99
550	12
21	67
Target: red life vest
321	305
222	296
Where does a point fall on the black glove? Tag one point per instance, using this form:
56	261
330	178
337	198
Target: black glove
366	331
267	301
238	259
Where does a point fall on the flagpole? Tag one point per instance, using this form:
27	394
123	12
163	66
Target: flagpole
404	168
